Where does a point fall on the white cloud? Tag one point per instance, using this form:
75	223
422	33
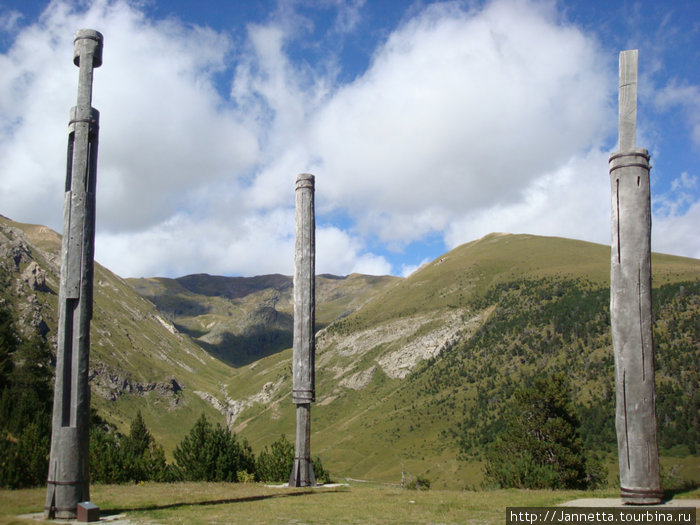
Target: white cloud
460	112
676	218
572	201
164	131
262	243
688	98
341	254
408	269
678	234
466	122
9	20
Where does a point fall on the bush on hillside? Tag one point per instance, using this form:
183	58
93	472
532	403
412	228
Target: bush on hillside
321	474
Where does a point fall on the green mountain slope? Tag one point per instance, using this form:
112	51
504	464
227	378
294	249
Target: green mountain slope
241	319
138	359
412	374
416	378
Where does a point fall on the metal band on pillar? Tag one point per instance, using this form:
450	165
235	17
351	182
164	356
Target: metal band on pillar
630	304
303	367
68	476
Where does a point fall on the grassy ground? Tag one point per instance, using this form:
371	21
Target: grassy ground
193	503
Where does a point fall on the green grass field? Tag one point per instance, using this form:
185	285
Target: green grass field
193	503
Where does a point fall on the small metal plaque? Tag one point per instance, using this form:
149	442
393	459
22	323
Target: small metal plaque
88	511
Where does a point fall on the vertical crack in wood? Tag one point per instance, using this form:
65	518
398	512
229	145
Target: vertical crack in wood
617	216
641	322
67	370
624	402
69	160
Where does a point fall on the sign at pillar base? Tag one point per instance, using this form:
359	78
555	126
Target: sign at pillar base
88	511
302	474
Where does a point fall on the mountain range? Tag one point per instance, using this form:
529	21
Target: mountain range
411	373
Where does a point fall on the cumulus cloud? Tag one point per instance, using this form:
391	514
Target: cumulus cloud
341	253
468	120
687	97
571	201
165	133
460	111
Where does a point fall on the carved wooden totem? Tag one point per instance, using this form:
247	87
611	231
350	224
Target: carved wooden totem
630	303
68	477
303	373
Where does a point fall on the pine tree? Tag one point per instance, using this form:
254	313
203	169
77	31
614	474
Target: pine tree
541	446
143	458
25	407
276	464
211	453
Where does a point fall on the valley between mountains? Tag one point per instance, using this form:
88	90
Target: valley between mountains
411	373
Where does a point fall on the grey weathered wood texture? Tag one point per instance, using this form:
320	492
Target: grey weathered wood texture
627	100
68	476
630	304
303	373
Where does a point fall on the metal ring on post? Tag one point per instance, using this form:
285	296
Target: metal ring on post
616	161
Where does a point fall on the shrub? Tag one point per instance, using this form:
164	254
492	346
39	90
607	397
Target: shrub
211	453
115	458
321	474
420	483
276	463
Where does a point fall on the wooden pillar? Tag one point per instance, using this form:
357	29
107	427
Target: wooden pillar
630	303
68	476
303	373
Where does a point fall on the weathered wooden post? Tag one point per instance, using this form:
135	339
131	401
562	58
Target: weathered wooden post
68	476
630	303
303	373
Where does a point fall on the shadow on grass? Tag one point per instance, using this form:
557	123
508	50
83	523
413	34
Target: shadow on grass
685	487
242	499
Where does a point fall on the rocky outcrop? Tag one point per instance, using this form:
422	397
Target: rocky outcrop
359	380
111	384
231	408
35	278
14	248
408	342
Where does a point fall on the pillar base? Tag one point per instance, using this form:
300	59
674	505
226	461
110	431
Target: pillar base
302	473
641	496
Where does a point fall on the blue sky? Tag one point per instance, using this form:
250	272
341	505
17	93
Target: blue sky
427	125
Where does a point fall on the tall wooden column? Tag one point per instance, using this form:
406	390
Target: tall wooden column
303	373
630	303
68	477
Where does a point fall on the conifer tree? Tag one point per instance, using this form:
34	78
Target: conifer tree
144	459
25	410
211	453
541	446
276	463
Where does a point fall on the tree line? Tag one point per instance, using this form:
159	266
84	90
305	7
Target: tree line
207	453
546	332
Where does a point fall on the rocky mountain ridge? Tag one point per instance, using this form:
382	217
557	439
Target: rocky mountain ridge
242	319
